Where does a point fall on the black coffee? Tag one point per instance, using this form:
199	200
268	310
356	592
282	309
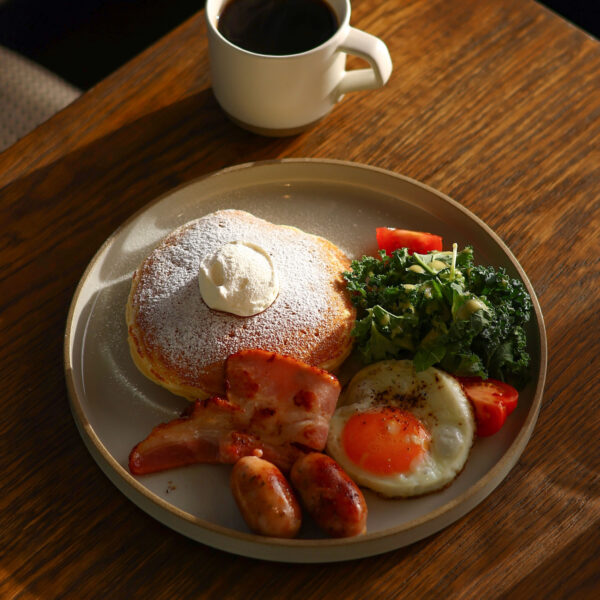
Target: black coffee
277	27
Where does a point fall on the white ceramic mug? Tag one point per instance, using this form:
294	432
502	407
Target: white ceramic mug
283	95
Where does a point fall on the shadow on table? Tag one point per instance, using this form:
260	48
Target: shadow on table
147	157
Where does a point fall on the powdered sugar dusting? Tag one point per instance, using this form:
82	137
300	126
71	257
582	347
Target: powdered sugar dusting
190	336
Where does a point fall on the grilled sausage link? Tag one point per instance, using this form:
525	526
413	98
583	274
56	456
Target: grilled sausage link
329	495
265	498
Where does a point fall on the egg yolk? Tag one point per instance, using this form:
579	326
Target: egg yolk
385	441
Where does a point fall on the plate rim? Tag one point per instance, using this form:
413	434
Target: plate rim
125	479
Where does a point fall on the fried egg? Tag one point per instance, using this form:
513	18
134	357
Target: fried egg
400	432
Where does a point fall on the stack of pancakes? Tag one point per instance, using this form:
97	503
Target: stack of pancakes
180	343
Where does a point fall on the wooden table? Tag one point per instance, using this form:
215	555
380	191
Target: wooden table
496	104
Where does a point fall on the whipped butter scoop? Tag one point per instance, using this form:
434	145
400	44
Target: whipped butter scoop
239	278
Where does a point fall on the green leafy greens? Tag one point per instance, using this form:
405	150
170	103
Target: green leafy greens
441	309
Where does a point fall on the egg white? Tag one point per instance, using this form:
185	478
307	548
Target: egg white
433	397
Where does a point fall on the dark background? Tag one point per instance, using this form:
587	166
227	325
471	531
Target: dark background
85	40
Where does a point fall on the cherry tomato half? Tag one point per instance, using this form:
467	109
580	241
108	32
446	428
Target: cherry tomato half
390	239
492	401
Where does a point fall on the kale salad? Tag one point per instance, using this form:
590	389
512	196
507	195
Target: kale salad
443	310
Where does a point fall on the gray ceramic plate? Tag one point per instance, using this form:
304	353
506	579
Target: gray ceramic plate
115	406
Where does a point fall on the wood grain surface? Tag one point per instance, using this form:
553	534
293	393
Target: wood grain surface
496	104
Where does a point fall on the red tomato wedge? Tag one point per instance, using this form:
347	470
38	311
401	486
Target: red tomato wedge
492	400
390	239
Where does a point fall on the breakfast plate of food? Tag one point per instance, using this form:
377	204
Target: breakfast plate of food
305	360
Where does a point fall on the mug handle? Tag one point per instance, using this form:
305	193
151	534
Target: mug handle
375	52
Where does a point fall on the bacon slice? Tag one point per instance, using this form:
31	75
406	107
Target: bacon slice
178	442
284	400
277	407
